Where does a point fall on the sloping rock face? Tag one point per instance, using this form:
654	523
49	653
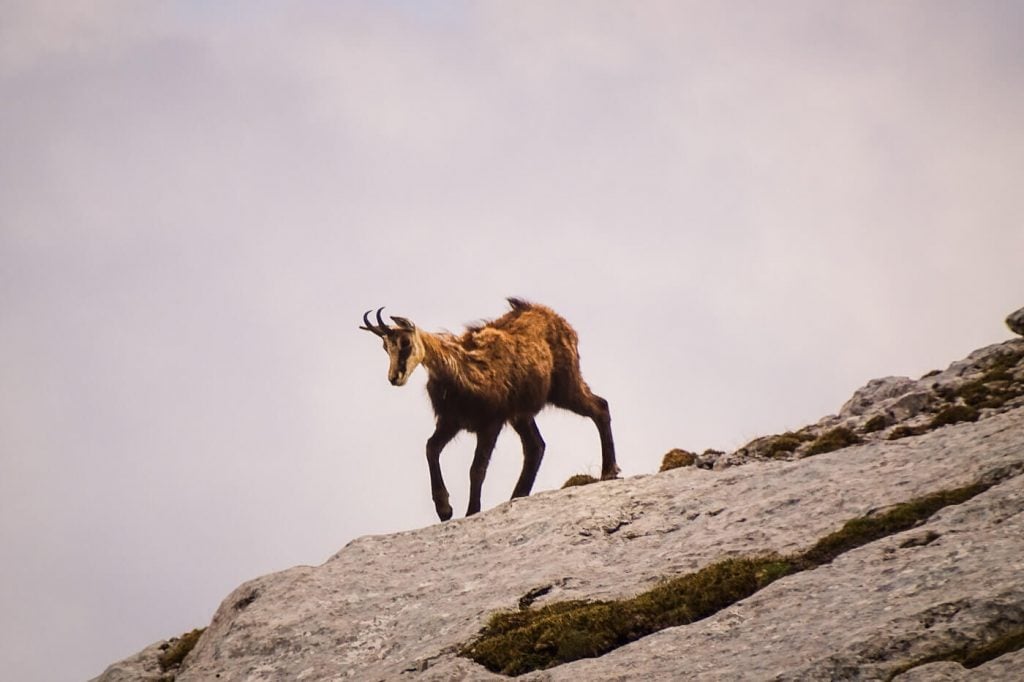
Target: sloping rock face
400	607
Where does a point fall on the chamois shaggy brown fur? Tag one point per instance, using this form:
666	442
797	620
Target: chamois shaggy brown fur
501	372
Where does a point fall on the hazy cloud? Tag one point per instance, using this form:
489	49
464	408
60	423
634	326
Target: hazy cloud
747	210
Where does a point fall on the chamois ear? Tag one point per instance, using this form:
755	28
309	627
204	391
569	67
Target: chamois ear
403	323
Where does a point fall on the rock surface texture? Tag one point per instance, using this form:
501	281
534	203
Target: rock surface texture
1015	321
400	607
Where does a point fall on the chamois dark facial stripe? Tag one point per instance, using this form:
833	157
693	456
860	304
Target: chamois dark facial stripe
403	356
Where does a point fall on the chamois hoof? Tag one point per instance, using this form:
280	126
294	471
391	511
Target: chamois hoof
444	513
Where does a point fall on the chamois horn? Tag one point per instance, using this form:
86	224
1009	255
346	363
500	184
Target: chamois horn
381	329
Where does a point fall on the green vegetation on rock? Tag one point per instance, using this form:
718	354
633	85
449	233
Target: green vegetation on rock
954	414
876	423
904	431
901	517
996	386
513	643
834	439
579	479
178	648
785	443
517	642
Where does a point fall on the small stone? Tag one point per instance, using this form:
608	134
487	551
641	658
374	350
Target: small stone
1015	321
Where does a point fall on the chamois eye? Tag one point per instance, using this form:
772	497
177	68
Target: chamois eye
403	342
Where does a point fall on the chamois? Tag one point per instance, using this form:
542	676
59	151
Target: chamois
504	371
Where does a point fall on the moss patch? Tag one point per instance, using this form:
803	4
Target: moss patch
676	458
513	643
1002	362
783	444
907	431
954	414
996	386
979	394
999	383
866	529
579	479
518	642
178	648
780	445
876	423
834	439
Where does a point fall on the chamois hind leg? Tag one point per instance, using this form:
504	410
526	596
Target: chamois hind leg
533	453
443	435
582	401
485	440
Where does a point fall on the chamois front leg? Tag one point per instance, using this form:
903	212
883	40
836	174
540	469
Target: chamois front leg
443	434
485	440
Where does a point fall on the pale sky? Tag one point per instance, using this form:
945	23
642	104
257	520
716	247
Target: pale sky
746	209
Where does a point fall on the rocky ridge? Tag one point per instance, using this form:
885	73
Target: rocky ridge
402	606
989	381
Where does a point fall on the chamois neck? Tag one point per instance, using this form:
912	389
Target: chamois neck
443	356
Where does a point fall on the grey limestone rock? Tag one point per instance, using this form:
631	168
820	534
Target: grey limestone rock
898	406
1015	321
877	393
400	606
142	666
1006	667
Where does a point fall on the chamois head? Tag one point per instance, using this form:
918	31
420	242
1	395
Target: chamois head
402	343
